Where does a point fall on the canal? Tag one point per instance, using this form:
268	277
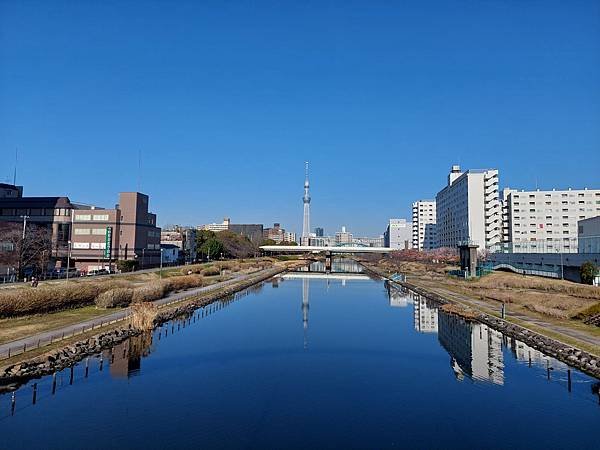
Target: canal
308	360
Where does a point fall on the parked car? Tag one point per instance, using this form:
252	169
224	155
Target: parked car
95	272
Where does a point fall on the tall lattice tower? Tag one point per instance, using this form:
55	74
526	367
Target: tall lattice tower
306	201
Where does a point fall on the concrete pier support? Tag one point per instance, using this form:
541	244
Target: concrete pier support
328	258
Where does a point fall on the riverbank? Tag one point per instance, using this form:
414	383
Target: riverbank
573	355
24	367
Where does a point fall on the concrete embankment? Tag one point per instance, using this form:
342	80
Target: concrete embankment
14	375
575	357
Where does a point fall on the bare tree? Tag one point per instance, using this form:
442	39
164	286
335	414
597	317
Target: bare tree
32	251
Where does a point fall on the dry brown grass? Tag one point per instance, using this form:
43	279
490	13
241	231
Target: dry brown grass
552	298
183	282
23	300
149	292
143	315
28	300
114	298
211	271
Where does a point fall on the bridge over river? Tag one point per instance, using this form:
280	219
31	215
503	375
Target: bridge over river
329	251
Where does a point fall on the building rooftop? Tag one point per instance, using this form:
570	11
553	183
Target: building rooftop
36	202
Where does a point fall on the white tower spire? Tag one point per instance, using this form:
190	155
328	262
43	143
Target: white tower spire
306	201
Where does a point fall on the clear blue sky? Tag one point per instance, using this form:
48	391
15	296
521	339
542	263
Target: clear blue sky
226	100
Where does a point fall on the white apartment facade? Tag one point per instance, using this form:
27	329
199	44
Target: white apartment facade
468	209
398	235
423	225
216	227
546	221
343	237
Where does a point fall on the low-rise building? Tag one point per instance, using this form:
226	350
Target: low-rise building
253	231
343	237
101	236
588	235
170	253
184	238
278	234
47	213
398	235
216	227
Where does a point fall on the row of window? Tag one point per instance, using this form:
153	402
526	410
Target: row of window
89	245
35	212
86	231
90	217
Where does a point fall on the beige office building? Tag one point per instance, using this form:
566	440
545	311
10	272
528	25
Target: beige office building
100	237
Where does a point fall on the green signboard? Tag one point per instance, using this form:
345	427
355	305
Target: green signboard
108	247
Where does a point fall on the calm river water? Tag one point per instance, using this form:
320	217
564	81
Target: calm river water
311	361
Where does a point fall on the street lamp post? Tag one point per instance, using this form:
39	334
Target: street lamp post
161	261
68	258
143	258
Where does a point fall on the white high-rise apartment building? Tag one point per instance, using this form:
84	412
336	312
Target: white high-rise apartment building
423	225
546	221
468	209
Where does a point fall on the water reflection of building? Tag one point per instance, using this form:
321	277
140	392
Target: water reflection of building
397	297
523	352
125	359
475	349
425	314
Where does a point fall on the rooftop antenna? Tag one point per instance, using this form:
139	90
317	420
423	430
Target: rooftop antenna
16	162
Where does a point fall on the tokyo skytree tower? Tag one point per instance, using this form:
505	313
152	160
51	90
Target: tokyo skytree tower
306	201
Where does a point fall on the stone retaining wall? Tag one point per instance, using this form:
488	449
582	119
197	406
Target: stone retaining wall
579	359
15	375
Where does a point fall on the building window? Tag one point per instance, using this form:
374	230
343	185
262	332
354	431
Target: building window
99	231
81	245
98	245
83	217
101	217
80	231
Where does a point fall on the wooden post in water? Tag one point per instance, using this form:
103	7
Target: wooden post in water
53	383
87	366
13	401
569	379
34	393
101	362
71	376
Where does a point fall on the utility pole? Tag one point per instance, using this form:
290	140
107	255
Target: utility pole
22	252
161	261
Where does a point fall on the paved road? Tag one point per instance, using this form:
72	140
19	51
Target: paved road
32	341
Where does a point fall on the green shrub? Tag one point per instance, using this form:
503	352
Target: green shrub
114	298
127	266
588	272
